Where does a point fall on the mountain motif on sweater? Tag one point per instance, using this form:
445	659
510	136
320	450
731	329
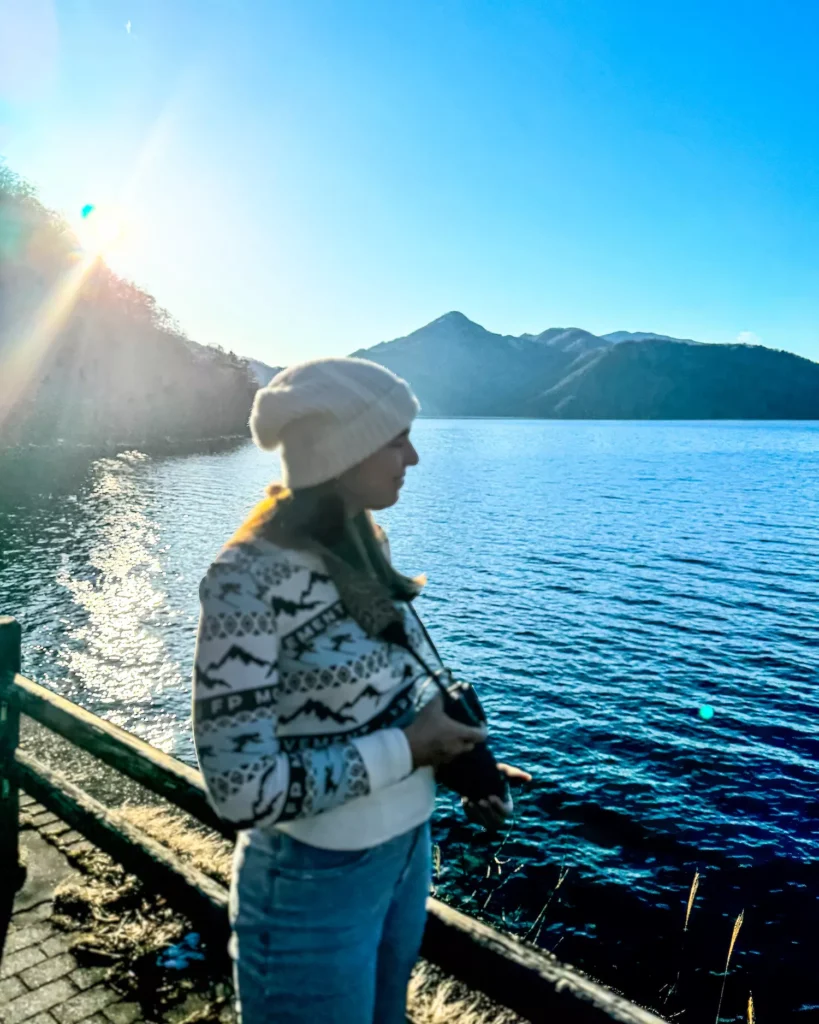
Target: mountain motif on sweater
296	710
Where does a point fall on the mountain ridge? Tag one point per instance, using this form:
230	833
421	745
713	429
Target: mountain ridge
459	368
618	336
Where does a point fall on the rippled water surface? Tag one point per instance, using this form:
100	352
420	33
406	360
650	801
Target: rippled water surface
600	582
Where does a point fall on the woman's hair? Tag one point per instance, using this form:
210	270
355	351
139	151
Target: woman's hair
316	518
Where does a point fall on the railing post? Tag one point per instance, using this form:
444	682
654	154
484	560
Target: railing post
10	864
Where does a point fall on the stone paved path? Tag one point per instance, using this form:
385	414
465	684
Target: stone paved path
40	981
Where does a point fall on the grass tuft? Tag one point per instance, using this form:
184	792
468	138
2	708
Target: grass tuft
435	999
200	848
695	884
734	934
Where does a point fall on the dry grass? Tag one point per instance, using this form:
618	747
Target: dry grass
734	934
436	999
695	884
198	847
110	913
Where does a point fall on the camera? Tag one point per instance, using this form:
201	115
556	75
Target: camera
475	774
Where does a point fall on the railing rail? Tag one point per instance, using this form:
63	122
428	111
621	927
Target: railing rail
163	775
523	978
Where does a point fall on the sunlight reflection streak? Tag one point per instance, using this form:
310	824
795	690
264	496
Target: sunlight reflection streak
19	368
119	653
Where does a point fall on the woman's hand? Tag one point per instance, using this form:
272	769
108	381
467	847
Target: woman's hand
514	775
435	738
493	812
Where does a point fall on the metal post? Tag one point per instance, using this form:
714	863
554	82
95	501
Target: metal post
10	864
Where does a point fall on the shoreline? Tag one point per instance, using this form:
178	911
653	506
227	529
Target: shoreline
34	470
150	446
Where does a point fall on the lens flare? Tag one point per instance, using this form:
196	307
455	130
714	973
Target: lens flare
100	230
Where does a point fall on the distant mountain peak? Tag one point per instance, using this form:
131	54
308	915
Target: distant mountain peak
454	317
455	321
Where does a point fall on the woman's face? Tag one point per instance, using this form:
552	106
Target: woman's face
376	482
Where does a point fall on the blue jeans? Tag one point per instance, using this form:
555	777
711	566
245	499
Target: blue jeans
327	935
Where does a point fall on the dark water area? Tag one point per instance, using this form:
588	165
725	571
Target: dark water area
600	583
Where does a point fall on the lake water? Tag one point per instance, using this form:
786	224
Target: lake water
599	582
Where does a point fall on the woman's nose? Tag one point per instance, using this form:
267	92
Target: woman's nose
411	456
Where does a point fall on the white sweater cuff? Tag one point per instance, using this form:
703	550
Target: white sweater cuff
387	757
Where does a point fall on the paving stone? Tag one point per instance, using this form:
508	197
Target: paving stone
31	811
71	836
85	977
44	817
81	846
123	1013
59	943
193	1004
20	960
19	938
83	1005
48	970
26	800
10	989
42	1018
31	1003
47	868
40	912
56	828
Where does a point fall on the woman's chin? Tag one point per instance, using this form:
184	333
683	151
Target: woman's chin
385	501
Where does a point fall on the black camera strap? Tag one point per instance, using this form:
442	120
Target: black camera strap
396	633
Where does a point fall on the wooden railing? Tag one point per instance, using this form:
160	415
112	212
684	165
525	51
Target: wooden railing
526	980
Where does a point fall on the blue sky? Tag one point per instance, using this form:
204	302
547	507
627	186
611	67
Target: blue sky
304	177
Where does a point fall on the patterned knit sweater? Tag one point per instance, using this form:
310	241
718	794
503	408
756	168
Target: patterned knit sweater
297	712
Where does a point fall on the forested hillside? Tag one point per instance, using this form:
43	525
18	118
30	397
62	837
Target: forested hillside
90	358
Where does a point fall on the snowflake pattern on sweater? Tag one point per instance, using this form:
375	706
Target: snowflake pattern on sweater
296	710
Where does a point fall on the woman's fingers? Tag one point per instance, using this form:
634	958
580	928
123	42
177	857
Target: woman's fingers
434	738
480	813
501	807
475	813
514	774
491	812
472	734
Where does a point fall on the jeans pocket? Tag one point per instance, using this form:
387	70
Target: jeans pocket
297	860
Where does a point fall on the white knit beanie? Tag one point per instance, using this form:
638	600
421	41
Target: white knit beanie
329	415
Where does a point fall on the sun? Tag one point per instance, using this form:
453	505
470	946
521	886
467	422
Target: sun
102	231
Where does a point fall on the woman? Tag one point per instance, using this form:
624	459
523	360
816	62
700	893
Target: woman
317	738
